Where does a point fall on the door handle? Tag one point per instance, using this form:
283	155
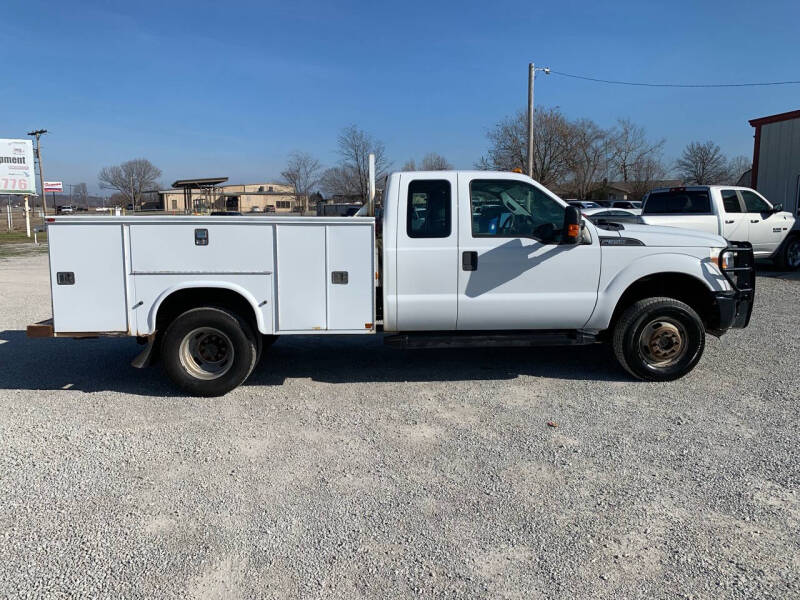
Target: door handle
754	220
469	261
729	222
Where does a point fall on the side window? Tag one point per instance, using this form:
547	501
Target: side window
753	203
730	200
429	210
508	208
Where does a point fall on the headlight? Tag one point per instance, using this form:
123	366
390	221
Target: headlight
727	258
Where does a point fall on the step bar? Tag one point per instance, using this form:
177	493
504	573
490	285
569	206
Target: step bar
483	339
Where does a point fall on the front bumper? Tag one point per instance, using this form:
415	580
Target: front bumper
734	307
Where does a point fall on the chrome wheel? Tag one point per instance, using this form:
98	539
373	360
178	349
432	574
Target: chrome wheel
663	342
206	353
793	253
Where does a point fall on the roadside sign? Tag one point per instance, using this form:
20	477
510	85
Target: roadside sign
53	186
16	167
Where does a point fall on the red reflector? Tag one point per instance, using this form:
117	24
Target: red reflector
50	220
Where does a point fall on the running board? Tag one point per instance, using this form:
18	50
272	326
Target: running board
483	339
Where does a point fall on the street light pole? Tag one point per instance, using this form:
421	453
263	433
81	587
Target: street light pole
37	134
531	77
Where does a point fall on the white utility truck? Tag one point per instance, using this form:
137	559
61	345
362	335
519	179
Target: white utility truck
735	213
466	258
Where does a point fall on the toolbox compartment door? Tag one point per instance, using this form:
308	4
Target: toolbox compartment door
87	276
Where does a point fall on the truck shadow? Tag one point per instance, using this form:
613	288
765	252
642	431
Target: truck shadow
103	365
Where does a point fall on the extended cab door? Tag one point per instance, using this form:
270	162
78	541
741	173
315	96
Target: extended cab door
427	252
734	220
512	271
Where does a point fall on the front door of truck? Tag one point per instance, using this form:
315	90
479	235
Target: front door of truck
513	273
427	252
765	232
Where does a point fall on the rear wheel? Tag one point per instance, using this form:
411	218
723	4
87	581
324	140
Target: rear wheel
789	255
659	339
209	351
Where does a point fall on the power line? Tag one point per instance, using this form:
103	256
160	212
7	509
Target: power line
676	85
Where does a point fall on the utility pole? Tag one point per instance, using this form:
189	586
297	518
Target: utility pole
531	77
38	134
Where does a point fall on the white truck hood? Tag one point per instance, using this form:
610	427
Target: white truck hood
654	235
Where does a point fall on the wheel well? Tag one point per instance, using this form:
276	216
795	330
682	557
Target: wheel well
185	299
679	286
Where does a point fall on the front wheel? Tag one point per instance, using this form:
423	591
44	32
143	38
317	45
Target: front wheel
209	351
789	254
659	339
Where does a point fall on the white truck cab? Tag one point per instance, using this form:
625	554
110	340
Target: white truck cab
736	213
466	258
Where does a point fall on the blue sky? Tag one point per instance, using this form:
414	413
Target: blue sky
230	88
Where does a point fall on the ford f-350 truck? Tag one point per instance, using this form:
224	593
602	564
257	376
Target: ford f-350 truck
466	258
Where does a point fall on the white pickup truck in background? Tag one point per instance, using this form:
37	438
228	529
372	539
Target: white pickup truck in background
736	213
466	258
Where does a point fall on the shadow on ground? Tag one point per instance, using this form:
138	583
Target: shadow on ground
103	364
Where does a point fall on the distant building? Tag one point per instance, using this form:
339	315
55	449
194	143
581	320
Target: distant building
215	195
776	159
628	190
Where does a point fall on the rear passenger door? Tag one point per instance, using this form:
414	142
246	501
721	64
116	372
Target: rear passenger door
734	220
427	252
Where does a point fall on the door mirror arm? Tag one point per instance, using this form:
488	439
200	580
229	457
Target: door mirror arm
571	233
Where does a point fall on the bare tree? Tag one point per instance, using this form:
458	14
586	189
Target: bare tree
338	181
645	173
630	149
131	179
430	162
703	164
508	145
80	194
302	172
435	162
351	175
587	156
737	167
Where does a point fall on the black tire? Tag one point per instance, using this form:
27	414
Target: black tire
659	339
268	340
788	258
209	351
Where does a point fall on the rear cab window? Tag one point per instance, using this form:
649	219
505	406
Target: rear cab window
429	209
730	201
678	202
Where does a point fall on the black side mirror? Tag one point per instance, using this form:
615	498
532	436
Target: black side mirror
572	226
777	208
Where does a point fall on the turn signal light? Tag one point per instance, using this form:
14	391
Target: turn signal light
573	230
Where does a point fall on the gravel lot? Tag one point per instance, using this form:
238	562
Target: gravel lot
346	469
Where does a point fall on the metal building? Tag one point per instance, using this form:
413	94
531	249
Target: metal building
776	159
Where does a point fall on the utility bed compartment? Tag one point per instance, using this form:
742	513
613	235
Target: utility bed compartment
109	275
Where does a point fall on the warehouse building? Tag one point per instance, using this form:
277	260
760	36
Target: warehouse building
214	194
776	159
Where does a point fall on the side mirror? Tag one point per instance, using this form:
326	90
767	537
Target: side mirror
572	226
777	208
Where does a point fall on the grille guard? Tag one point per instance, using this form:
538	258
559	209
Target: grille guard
742	275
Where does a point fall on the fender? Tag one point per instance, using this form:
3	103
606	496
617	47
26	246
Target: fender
153	312
613	285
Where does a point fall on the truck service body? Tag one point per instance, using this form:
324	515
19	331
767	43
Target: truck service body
465	258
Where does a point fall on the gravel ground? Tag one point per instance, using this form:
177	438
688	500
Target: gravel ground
346	469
